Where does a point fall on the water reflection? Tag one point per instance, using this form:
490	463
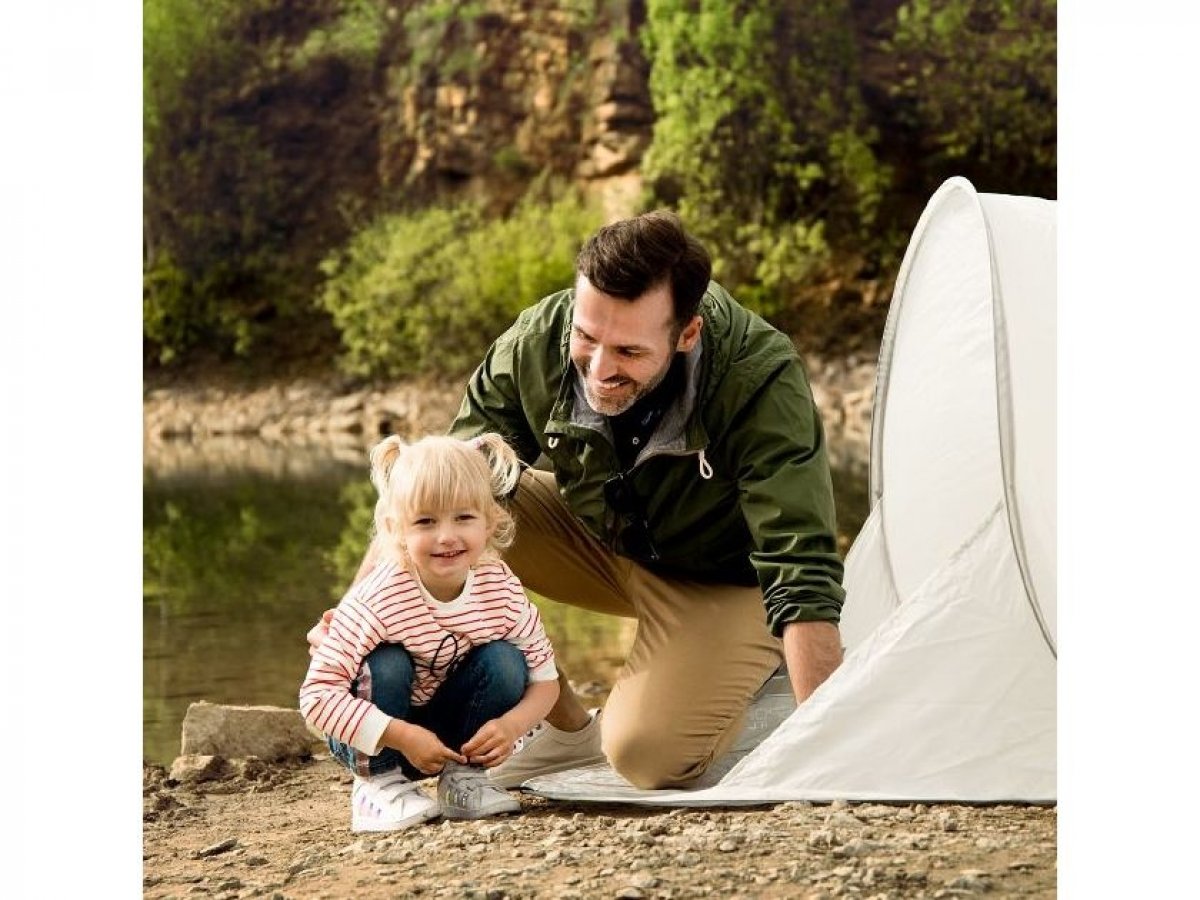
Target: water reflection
243	548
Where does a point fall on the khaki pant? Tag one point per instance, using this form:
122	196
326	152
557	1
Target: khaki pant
700	652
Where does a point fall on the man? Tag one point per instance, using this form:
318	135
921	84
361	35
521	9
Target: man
683	482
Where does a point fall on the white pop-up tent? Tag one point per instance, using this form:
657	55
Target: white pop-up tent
947	691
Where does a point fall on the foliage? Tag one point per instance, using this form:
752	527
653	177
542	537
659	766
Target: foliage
429	26
357	32
429	291
242	101
799	141
358	504
173	34
978	88
761	140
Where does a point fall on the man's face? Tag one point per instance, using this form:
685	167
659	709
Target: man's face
623	349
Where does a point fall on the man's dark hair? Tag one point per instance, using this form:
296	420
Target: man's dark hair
632	256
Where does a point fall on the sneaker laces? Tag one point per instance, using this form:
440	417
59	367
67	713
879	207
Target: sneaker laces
519	743
466	783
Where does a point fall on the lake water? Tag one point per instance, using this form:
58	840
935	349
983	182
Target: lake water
244	545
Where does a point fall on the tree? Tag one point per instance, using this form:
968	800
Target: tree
761	139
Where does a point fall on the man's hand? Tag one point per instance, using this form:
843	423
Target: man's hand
420	746
492	744
317	633
812	650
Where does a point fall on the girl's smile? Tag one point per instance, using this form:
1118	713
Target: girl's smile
443	545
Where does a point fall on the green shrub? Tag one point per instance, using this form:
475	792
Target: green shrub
761	138
169	315
978	85
427	292
258	120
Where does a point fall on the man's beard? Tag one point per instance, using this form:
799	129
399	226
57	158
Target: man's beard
623	399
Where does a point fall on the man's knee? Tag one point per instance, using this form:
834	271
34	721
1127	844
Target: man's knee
653	756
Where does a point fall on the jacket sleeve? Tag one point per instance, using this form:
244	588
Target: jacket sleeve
492	400
778	450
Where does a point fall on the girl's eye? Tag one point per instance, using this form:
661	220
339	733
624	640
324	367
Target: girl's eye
423	521
465	517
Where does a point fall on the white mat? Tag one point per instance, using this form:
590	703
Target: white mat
600	784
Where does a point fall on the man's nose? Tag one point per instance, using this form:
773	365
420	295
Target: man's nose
603	364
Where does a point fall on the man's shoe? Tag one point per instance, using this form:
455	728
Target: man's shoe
465	793
388	802
546	750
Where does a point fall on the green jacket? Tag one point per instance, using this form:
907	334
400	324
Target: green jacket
735	483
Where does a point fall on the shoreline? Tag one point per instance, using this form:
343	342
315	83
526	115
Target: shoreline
327	415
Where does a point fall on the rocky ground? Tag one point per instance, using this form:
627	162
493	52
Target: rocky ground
243	828
282	831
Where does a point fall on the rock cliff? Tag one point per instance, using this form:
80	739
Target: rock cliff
479	105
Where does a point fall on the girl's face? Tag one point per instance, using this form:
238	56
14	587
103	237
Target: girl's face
443	544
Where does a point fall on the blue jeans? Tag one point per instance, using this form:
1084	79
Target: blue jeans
488	682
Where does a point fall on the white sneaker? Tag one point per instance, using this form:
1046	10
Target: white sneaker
388	802
545	750
464	792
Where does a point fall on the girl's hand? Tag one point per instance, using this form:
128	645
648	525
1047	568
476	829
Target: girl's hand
425	750
492	744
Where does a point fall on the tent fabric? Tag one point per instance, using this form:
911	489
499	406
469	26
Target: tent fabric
948	688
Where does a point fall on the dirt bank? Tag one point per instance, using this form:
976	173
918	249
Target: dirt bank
282	832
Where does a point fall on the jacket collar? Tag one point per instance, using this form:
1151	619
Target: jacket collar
679	432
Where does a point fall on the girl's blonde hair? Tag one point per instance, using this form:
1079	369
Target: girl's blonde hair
442	473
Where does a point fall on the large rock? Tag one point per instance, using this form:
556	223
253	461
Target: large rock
194	769
268	732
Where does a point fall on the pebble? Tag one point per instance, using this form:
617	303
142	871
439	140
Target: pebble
821	838
215	849
842	820
970	880
855	847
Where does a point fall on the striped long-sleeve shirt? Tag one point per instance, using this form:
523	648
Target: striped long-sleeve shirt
390	605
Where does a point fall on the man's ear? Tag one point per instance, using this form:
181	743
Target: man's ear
689	335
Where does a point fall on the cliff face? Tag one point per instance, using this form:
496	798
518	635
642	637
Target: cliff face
479	105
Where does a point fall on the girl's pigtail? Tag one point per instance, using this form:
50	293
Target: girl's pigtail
502	461
383	458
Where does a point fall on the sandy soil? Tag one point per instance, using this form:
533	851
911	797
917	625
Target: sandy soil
283	832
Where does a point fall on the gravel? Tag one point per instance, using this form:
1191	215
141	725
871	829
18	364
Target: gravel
292	841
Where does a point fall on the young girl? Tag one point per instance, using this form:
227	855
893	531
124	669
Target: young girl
435	661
